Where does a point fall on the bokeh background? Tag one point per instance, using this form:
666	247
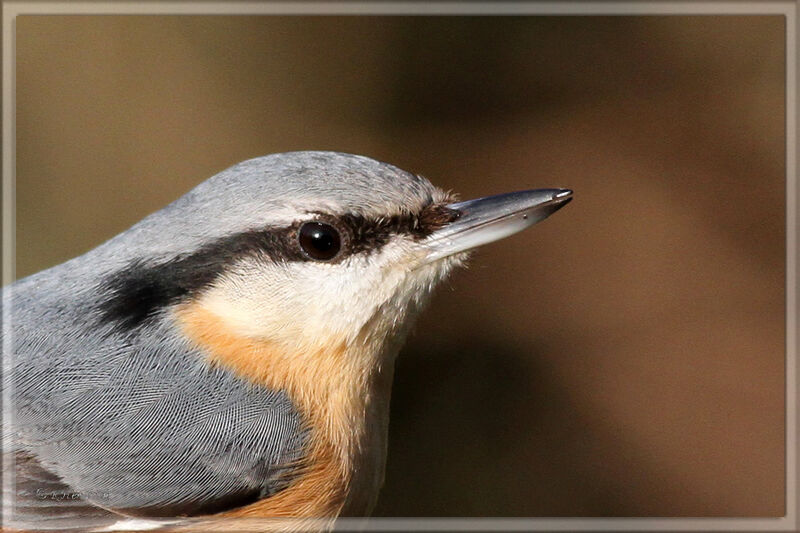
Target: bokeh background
623	358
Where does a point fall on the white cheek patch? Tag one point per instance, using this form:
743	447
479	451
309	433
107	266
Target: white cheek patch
310	303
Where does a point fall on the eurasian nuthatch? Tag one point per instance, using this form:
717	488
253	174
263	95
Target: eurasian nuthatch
231	355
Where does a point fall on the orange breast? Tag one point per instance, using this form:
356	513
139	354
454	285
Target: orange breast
326	390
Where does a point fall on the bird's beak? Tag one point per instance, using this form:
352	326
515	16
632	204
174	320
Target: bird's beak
493	218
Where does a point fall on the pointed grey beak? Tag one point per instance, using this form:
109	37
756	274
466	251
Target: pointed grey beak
493	218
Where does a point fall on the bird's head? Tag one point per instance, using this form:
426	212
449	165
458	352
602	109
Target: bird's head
306	252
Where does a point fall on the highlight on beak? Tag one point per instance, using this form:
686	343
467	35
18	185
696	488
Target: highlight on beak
493	218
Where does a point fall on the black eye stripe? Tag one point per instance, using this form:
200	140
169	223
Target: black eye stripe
371	234
136	293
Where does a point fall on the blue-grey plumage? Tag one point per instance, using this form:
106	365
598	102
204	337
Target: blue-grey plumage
232	351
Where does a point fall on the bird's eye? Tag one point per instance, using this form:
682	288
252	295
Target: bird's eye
319	241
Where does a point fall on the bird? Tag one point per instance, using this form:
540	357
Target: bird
231	355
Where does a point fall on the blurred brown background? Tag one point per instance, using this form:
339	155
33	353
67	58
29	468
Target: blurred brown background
623	358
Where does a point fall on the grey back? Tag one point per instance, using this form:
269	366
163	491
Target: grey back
139	423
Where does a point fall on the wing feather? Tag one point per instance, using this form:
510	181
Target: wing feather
140	424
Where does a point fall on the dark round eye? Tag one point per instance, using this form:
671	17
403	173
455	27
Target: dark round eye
319	241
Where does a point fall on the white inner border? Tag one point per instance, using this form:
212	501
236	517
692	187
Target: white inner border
789	9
